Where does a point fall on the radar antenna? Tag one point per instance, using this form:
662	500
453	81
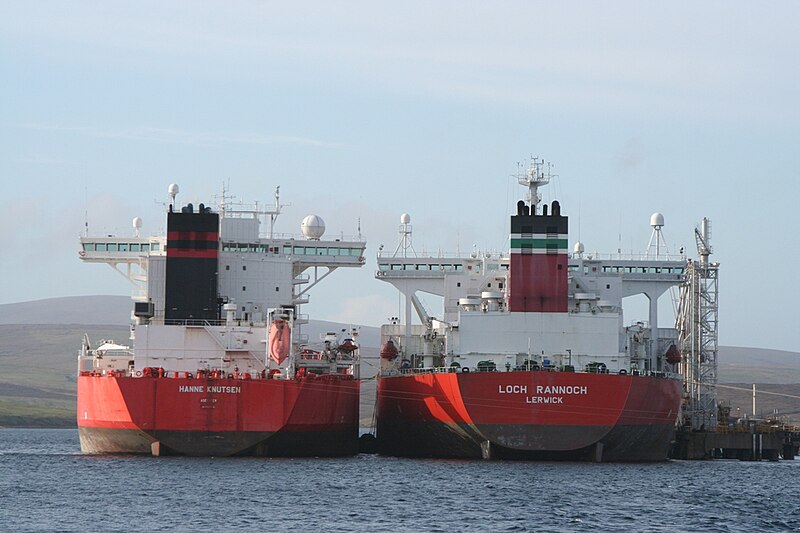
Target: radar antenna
537	174
404	245
657	240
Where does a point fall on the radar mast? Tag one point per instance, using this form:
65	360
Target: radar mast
537	174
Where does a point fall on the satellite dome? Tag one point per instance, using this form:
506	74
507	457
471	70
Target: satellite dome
313	227
173	189
405	218
578	247
657	220
137	223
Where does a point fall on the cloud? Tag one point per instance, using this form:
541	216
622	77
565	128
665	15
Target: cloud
630	157
630	56
178	136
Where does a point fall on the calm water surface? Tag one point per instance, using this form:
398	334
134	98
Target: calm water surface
47	485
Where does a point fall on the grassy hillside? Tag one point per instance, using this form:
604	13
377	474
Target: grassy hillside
756	365
37	383
115	310
770	398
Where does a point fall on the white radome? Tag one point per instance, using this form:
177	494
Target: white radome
137	223
657	220
173	189
578	247
405	218
313	227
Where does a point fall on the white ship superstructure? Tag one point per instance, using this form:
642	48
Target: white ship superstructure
476	325
260	276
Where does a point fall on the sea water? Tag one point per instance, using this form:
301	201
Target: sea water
46	484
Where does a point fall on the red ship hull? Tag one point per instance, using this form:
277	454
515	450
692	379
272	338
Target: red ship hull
528	415
309	416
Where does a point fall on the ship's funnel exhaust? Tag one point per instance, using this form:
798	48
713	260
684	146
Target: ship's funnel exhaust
192	258
538	276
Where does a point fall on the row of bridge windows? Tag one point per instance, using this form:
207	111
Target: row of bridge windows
447	267
226	247
121	247
292	250
611	269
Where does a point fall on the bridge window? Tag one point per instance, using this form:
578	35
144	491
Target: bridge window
383	267
123	247
154	246
112	247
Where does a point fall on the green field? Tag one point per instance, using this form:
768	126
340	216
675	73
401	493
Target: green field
37	371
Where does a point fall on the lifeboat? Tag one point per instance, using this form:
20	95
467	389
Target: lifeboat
389	350
280	340
348	346
673	355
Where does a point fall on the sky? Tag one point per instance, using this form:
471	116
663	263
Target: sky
362	111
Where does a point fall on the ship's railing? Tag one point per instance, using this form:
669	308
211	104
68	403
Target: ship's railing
757	425
201	374
193	322
450	256
452	370
630	256
341	237
207	322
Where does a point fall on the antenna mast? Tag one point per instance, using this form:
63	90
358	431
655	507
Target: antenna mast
537	175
